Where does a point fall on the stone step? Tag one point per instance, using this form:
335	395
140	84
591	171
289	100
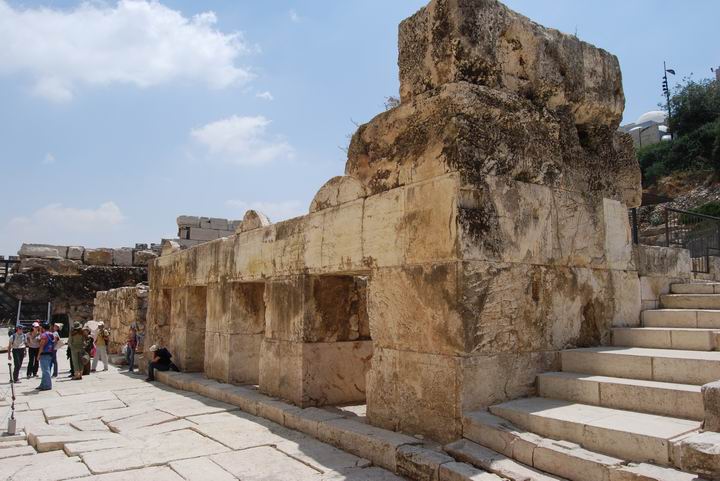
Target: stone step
559	458
652	397
693	339
690	301
627	435
696	288
494	462
688	318
663	365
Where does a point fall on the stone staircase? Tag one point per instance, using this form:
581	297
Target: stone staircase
613	413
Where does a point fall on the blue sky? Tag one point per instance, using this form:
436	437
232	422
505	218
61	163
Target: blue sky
116	118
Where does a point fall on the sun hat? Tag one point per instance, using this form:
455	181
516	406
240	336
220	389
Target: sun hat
153	348
36	324
77	325
101	323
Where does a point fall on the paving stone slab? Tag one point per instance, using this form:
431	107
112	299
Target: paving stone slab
79	399
64	409
17	451
140	421
193	407
152	451
201	469
52	442
366	474
76	449
265	463
320	456
465	472
39	468
162	473
177	425
89	425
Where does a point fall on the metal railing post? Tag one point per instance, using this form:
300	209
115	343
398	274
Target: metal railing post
667	228
635	230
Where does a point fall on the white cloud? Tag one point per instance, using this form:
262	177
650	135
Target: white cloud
276	211
265	95
294	17
57	224
242	140
48	159
136	42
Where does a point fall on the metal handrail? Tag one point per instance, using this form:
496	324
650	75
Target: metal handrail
694	214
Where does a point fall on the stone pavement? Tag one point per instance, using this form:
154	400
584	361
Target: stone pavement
114	426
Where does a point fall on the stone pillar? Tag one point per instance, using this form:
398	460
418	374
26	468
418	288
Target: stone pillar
235	330
187	321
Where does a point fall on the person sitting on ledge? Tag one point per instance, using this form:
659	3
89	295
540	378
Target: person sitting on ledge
160	361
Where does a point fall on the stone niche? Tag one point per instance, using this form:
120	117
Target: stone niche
480	228
317	346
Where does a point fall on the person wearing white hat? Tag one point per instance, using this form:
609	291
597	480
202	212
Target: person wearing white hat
33	344
160	361
102	337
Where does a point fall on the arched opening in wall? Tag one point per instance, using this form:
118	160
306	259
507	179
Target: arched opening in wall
338	351
234	332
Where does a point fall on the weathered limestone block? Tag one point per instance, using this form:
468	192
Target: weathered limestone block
197	233
420	463
144	257
236	308
415	393
121	309
700	454
218	224
254	220
341	247
53	266
485	43
75	253
98	257
492	379
414	308
478	132
531	308
188	221
123	256
336	191
281	370
43	251
170	247
509	221
334	373
654	261
711	403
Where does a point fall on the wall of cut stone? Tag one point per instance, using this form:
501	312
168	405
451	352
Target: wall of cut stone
121	309
481	224
102	256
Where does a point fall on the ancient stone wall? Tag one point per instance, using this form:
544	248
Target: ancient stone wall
101	256
481	227
69	285
121	309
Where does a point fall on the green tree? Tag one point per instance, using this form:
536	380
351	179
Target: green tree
693	105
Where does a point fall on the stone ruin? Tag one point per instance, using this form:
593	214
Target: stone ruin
480	228
120	309
470	280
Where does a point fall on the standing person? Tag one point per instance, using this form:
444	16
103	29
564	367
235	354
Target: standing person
130	349
76	346
46	350
101	341
33	344
16	346
88	347
55	329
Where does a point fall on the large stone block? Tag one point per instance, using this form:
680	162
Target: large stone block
75	253
415	393
144	257
700	454
43	251
281	370
236	308
383	235
530	308
485	43
489	380
416	308
244	358
478	132
711	403
98	257
334	372
123	257
654	261
207	234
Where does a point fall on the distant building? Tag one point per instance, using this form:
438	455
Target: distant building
650	128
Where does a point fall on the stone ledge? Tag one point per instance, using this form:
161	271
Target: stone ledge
397	452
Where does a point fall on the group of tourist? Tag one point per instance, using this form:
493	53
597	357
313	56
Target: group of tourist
41	344
85	350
